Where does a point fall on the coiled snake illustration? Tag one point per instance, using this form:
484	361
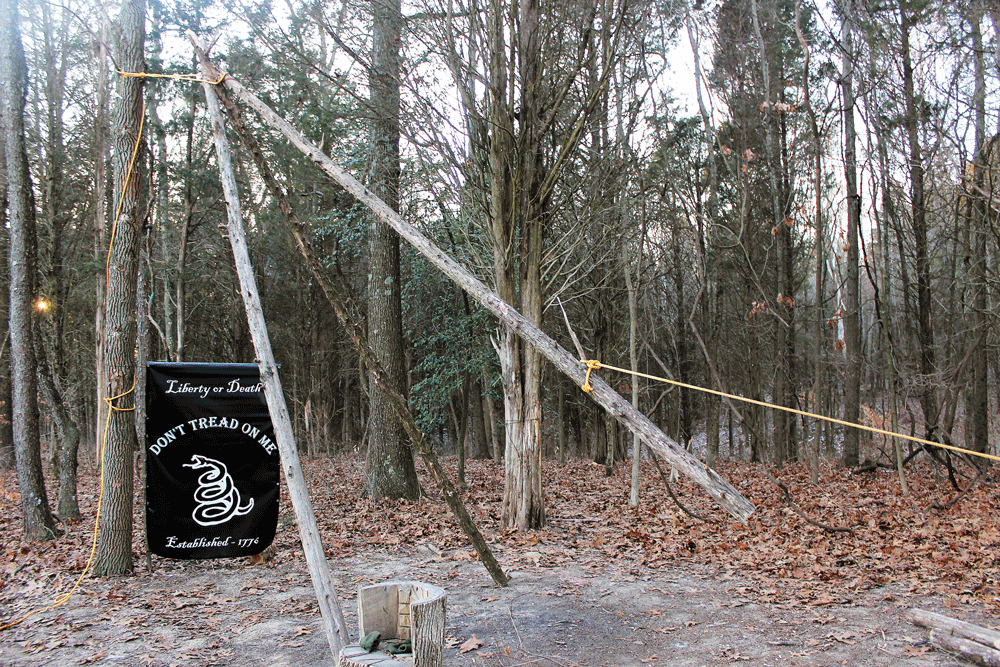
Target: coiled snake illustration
217	497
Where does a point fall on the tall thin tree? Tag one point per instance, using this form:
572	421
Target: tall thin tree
389	468
114	547
852	306
37	517
908	19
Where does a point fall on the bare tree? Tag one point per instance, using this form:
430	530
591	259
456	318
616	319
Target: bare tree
908	19
852	305
38	520
389	469
114	547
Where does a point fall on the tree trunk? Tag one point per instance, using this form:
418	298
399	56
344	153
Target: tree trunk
114	546
925	333
480	447
516	232
852	307
39	524
389	468
6	413
562	422
707	332
100	156
977	403
68	440
820	247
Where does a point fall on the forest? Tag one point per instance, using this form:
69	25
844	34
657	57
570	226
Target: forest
779	200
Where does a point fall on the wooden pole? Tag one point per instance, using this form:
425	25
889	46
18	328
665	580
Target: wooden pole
356	333
333	617
723	493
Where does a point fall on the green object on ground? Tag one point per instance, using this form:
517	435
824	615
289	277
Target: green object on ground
370	641
397	646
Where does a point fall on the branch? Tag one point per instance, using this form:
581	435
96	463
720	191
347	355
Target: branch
677	501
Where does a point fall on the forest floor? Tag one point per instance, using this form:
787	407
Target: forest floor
602	584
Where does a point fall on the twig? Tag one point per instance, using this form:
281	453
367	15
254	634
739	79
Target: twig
798	510
520	642
572	334
666	482
948	505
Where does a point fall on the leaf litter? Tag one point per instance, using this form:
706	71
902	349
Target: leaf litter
600	572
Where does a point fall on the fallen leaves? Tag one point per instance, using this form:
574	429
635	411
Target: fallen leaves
776	558
470	644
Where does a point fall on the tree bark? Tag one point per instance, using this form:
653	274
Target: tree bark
6	413
68	444
977	403
100	156
38	522
479	440
955	627
114	545
852	308
925	332
820	246
389	469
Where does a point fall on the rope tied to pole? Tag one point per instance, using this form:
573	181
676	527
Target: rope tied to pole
592	365
193	78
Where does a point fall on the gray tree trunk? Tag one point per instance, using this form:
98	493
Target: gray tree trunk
389	468
977	403
114	543
925	332
100	156
6	430
852	307
516	243
38	521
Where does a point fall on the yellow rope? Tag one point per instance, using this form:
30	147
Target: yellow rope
178	77
64	597
594	365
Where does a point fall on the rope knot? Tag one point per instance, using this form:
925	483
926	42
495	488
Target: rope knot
592	365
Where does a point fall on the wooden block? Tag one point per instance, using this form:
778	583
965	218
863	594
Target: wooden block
378	609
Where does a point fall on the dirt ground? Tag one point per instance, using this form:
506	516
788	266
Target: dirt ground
579	611
227	613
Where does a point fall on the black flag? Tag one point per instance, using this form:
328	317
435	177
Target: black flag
212	464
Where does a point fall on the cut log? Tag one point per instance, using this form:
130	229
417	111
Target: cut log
400	610
946	625
965	648
723	493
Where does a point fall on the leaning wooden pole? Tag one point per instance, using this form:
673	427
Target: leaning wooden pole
723	493
333	616
355	332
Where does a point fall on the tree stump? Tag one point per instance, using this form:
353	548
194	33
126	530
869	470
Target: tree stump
400	610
